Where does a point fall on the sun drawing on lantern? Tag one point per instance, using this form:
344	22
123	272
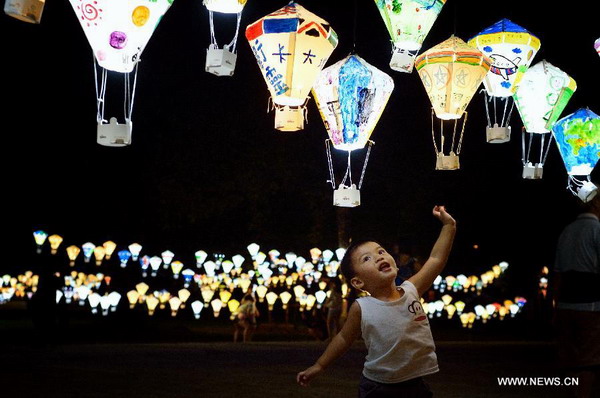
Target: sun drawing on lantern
90	12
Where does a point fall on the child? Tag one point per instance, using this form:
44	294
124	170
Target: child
245	320
392	322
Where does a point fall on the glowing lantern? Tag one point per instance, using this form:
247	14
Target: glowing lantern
291	46
124	256
261	291
167	256
183	295
40	238
351	96
88	250
233	306
174	303
451	73
221	62
155	263
55	241
99	253
224	295
216	305
135	249
188	276
118	32
271	299
25	10
176	267
408	23
238	260
151	303
511	48
542	94
201	256
109	247
133	297
578	140
142	288
597	45
197	307
94	300
72	252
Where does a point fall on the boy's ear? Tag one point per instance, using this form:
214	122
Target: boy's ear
357	283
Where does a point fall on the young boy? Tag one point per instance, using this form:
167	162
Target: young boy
392	322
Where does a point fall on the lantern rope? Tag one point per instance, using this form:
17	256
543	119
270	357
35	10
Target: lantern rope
547	148
433	134
571	180
329	162
348	175
213	40
505	118
495	112
462	133
130	93
364	169
487	109
525	157
100	92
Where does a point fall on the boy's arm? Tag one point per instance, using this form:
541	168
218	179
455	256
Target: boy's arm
338	346
439	254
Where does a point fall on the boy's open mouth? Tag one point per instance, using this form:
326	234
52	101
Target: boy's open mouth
385	267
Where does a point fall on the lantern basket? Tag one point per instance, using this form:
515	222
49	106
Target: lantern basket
114	134
25	10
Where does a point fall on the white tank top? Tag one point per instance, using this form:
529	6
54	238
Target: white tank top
398	338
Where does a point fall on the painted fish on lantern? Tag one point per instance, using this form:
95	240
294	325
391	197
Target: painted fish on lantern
503	66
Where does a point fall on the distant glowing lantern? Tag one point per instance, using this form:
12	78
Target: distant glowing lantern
133	297
221	61
216	305
176	267
597	45
512	49
233	306
197	307
155	263
72	252
271	299
201	256
542	94
188	276
114	299
151	303
175	304
291	46
183	295
451	73
578	138
88	250
118	32
351	96
261	291
25	10
135	249
99	253
253	249
167	256
40	238
408	23
142	288
55	241
124	256
109	247
94	300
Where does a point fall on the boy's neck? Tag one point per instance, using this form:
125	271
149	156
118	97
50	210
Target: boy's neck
386	293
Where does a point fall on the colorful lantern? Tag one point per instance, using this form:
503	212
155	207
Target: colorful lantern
451	73
221	61
25	10
351	96
578	140
542	94
597	45
118	32
511	48
40	238
291	46
408	22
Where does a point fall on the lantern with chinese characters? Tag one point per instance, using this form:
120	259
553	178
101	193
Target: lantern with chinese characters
578	140
451	73
408	22
25	10
221	61
351	96
118	32
291	46
511	49
542	94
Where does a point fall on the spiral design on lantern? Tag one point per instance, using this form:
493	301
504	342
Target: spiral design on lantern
89	12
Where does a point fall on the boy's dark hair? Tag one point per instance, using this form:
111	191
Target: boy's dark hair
346	264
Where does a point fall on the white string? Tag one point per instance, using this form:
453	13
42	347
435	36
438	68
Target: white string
462	133
100	92
364	169
213	39
487	109
433	135
329	162
233	44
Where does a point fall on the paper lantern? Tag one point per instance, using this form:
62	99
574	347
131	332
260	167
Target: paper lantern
597	45
408	22
118	32
291	46
25	10
351	96
511	49
578	140
451	73
542	94
221	61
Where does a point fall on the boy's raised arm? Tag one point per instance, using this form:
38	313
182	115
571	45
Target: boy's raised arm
338	346
439	254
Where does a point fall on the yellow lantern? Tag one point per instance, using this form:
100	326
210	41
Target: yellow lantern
99	253
133	297
233	306
174	303
291	46
451	73
207	293
216	305
261	291
109	247
271	299
72	252
184	295
151	303
224	295
55	241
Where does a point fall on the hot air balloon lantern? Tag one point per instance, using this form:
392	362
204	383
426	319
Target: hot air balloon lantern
578	139
118	32
543	92
25	10
291	46
351	96
408	22
511	49
451	73
597	45
221	61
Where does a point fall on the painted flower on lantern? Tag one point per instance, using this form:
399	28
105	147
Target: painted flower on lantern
291	46
543	92
408	22
578	139
351	96
451	73
511	49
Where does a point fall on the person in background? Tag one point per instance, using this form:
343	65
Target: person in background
577	298
333	304
245	321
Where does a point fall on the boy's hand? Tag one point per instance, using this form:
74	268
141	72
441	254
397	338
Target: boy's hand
440	213
303	378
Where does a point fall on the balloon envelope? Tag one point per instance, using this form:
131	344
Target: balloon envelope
511	49
578	140
291	46
351	95
118	31
542	94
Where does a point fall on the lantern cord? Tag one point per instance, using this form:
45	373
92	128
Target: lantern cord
435	147
487	109
543	138
330	163
354	27
130	93
454	135
506	119
495	112
548	148
462	133
213	40
574	181
348	175
100	91
364	169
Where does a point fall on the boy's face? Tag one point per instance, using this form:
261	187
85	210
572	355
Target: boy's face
373	266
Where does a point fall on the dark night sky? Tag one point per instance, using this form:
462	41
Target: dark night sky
207	169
